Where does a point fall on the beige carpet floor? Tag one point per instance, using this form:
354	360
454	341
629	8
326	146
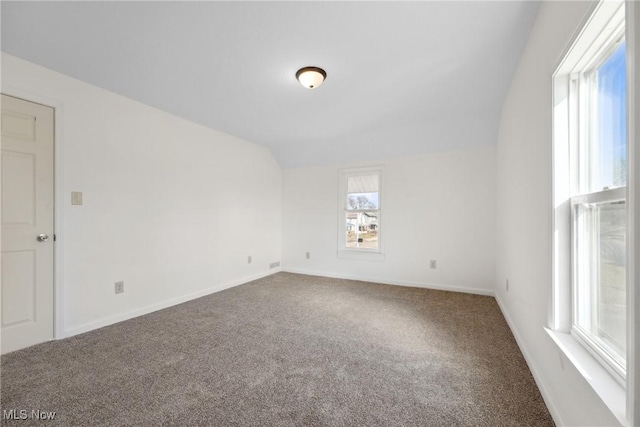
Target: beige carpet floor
287	350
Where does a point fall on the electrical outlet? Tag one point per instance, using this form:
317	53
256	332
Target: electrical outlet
119	286
76	197
308	255
249	259
432	263
274	264
507	285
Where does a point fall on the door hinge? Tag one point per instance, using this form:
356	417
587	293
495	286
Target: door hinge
54	237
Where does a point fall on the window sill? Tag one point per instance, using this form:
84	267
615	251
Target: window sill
606	387
361	255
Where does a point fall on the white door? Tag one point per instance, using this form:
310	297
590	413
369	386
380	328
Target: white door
27	224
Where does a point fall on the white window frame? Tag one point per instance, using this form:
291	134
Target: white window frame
581	126
368	254
617	394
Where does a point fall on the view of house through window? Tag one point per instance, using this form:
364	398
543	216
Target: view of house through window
362	211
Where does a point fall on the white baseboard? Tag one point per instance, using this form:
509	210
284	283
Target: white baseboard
106	321
553	409
475	291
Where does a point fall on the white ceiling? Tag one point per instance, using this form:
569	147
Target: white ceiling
402	77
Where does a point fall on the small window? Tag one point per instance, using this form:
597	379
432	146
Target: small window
360	210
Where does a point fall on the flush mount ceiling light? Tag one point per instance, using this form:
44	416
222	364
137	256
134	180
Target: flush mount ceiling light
311	77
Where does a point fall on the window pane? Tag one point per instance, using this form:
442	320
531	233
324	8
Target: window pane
362	229
610	150
363	192
601	288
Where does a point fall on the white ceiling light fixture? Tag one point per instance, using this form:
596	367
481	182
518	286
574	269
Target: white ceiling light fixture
311	77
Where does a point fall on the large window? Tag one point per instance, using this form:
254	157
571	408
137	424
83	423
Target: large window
360	210
599	214
590	149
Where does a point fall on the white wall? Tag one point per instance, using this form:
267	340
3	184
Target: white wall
170	207
524	217
435	206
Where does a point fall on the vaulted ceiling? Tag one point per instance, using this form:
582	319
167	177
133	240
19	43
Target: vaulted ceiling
402	77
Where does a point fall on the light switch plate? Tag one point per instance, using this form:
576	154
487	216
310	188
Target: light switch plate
76	197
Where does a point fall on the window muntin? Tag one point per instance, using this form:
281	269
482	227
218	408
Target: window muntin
599	210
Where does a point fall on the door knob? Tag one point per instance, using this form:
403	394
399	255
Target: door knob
42	237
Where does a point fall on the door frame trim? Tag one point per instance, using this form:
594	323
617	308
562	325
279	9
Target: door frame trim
58	191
